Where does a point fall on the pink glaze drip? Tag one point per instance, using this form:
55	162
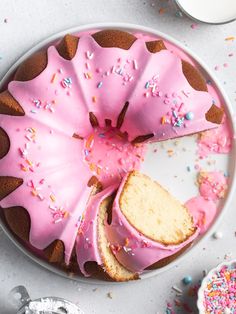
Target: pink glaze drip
218	140
203	212
132	249
110	155
212	185
57	104
86	244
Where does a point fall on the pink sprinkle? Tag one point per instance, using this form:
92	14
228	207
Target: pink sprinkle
194	26
42	181
225	65
135	64
217	68
230	54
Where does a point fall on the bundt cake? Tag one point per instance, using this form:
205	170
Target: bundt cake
57	99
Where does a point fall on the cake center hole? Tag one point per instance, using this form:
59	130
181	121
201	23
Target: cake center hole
110	155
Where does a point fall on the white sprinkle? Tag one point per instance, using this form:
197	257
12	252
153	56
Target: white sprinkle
218	235
176	289
58	220
89	55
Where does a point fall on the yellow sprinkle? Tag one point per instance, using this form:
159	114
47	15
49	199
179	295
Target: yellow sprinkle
94	99
92	167
163	120
89	75
230	38
33	129
53	77
52	197
89	141
34	193
29	162
66	214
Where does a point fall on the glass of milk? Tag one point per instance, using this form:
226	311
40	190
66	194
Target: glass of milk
209	11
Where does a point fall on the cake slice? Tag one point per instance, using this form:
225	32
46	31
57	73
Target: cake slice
148	225
153	211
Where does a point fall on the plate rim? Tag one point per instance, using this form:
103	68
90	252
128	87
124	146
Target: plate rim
230	114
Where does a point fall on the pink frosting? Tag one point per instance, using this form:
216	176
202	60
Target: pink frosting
55	189
132	249
110	155
212	185
218	140
86	244
57	104
203	212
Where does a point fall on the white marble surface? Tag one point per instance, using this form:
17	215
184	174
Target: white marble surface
29	22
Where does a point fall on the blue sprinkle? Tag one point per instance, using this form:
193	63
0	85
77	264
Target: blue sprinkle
99	85
187	280
33	111
189	115
174	114
147	85
102	135
86	152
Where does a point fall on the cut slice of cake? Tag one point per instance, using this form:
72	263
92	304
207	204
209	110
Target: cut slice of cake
153	211
148	225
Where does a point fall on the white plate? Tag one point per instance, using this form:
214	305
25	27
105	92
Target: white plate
158	165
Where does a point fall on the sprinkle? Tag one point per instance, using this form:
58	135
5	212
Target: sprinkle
99	85
163	120
52	197
109	295
90	141
188	168
189	115
147	85
94	99
229	38
40	196
216	68
89	55
53	77
176	289
217	235
225	65
194	26
66	82
34	193
135	64
87	65
58	220
187	280
33	111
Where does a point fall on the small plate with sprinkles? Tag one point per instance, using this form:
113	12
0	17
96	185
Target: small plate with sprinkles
217	294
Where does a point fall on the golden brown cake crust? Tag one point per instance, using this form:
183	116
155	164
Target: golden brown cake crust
18	220
215	114
68	46
194	77
8	185
32	67
4	143
114	38
9	106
